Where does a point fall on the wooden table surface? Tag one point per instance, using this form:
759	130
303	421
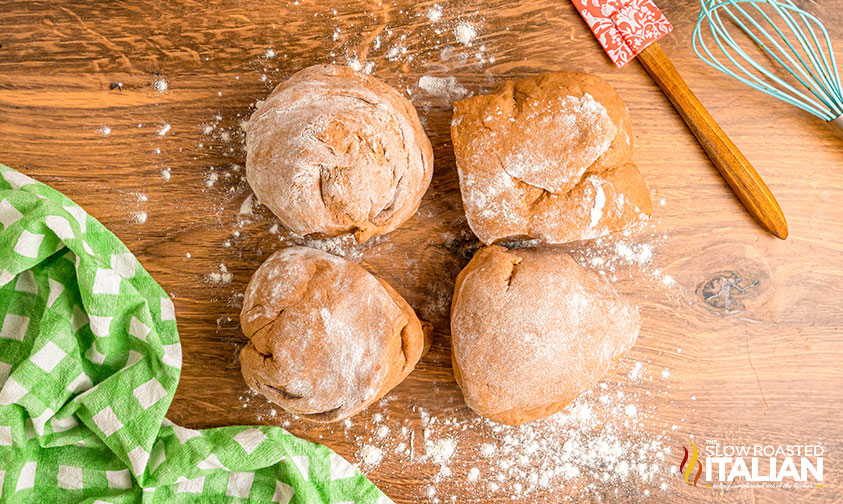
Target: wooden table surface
745	348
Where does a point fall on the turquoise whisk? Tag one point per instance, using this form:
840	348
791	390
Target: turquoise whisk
791	40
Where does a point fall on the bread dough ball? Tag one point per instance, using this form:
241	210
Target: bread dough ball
326	337
531	330
547	158
333	151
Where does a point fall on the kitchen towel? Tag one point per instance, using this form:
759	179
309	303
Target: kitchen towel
89	362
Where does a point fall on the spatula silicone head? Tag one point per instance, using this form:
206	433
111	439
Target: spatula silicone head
623	27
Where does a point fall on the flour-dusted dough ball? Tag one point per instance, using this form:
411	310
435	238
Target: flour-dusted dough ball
547	158
531	330
333	151
326	337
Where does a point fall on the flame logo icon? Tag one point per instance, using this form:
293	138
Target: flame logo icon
687	466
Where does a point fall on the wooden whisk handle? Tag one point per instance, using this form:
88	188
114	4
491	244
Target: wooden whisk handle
730	162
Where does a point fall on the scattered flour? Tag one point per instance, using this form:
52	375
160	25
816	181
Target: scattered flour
344	246
221	277
164	129
394	52
640	254
140	217
443	87
465	33
104	131
212	179
627	255
440	451
160	84
247	207
605	442
371	455
434	13
635	374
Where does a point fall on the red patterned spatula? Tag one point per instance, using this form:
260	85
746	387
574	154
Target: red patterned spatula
630	28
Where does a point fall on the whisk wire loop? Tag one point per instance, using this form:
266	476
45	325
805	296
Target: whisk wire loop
799	45
803	70
829	63
800	35
721	35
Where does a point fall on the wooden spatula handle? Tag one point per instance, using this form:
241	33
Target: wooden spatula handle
730	162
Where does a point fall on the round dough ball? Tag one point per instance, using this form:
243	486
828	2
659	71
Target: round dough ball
333	151
547	158
326	337
531	330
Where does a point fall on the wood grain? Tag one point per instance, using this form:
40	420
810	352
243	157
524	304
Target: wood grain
758	320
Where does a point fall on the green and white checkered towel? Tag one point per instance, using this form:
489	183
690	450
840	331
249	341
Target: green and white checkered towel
89	362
